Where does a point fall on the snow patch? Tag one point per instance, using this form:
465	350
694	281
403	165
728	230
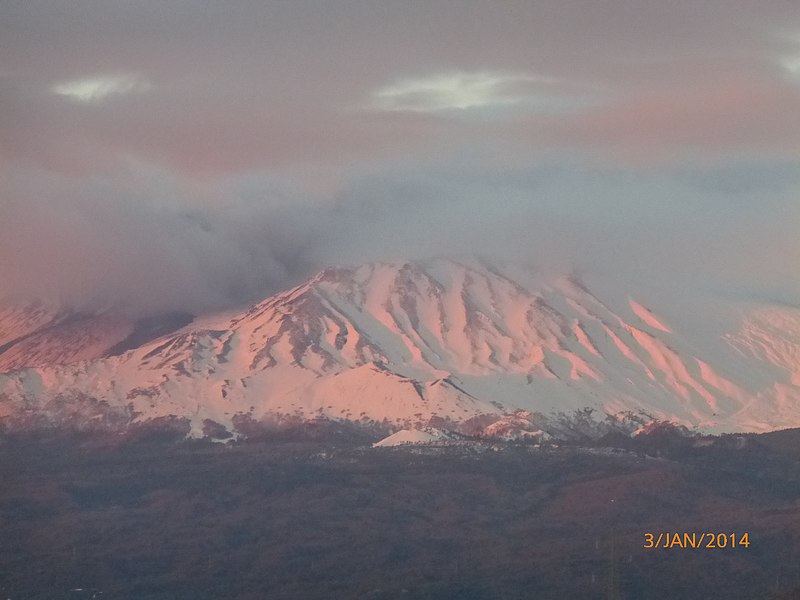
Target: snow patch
412	436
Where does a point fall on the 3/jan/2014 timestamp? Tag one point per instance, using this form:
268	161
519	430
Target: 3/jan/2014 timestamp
695	540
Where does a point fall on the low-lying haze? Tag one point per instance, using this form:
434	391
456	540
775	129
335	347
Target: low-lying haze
182	156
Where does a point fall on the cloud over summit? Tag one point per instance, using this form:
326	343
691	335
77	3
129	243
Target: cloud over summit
166	154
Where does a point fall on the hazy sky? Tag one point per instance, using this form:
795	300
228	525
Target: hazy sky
180	154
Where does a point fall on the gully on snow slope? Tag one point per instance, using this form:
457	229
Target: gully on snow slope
402	342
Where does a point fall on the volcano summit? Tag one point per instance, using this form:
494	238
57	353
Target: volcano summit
405	343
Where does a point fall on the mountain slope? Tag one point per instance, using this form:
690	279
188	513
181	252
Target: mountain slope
36	334
402	343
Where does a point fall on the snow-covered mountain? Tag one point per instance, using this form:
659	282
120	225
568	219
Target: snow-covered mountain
37	334
404	343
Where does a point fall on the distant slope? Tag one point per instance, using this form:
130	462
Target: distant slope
35	334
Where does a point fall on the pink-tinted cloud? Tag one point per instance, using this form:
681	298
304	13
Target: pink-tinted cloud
263	84
140	141
717	118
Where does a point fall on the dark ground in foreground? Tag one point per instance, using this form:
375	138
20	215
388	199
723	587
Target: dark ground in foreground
159	520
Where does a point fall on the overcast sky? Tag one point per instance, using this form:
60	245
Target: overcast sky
194	155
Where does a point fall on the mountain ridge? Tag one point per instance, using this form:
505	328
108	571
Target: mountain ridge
401	343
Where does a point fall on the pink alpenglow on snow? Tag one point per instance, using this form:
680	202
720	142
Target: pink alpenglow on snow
401	343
